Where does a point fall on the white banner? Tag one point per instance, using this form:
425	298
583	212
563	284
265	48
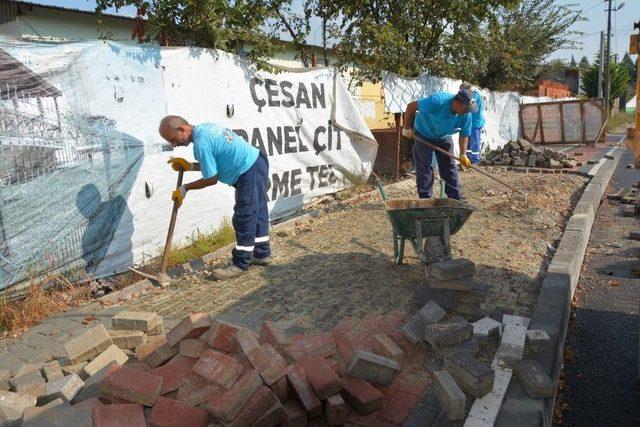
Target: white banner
85	184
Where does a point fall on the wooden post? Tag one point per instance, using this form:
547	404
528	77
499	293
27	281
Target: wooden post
541	124
398	118
636	134
562	138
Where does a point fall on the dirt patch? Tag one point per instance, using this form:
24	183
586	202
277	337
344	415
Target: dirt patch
341	264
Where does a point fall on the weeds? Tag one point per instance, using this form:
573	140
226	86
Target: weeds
203	243
620	119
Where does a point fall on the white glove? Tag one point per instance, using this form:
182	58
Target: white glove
407	133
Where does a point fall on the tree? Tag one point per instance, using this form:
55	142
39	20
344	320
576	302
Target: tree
573	63
520	39
238	26
619	80
584	63
406	38
628	65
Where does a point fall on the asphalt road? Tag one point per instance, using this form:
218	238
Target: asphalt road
601	383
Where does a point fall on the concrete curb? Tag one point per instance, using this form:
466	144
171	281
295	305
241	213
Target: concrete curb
554	302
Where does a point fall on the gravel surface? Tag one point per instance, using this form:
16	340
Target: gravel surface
341	264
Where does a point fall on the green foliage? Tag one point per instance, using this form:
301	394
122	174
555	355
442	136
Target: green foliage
584	63
573	63
619	80
620	119
203	243
519	40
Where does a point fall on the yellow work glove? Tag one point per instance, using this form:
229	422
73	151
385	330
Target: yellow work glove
407	133
179	194
464	161
178	163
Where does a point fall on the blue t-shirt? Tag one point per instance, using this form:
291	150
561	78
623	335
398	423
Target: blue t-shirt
222	152
477	118
435	120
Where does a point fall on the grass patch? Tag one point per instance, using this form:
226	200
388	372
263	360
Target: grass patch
620	119
203	243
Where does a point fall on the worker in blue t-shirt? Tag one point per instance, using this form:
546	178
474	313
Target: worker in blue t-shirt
226	157
433	119
477	123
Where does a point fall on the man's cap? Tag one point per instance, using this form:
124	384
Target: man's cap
466	97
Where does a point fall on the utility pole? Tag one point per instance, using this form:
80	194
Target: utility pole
607	71
601	64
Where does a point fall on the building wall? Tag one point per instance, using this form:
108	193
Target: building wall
41	22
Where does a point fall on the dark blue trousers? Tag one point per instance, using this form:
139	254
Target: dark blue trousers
423	156
250	214
473	150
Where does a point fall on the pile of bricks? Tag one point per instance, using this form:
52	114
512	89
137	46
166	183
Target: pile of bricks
522	153
629	199
204	371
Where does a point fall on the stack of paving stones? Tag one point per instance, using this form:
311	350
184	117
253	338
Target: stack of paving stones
629	200
206	371
451	284
463	375
522	153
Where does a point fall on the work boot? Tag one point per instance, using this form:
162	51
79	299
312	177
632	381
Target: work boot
227	272
260	261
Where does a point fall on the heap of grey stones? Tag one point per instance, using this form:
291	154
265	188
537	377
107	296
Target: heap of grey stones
522	153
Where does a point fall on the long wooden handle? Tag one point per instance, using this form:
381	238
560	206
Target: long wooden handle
445	152
172	226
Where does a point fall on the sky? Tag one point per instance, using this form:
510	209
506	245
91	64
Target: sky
593	11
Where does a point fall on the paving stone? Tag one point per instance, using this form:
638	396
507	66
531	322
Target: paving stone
537	340
372	367
91	388
319	345
112	354
65	388
477	294
273	417
175	373
31	383
225	405
324	381
628	210
384	346
468	309
17	401
132	385
448	332
247	340
196	390
38	355
515	320
414	328
62	416
534	379
271	333
512	344
259	403
295	415
88	345
10	362
485	327
335	410
222	336
472	375
281	388
161	354
52	371
276	367
218	368
192	326
27	368
119	415
77	368
470	346
634	235
171	413
5	375
361	395
129	339
193	347
137	321
484	410
453	269
445	298
303	390
449	394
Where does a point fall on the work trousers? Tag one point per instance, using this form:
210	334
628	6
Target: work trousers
251	215
423	156
473	150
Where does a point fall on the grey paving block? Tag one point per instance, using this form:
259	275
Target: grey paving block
486	327
17	401
534	379
414	328
445	298
448	332
91	387
372	367
88	344
472	375
453	269
470	346
52	371
451	398
65	388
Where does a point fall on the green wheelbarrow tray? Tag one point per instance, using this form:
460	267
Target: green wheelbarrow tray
419	219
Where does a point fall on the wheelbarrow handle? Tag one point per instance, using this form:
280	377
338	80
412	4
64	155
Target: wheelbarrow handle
380	186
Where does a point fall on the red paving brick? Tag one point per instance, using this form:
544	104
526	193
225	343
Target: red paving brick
320	345
175	373
191	326
261	401
361	395
295	414
171	413
222	336
121	415
397	409
323	379
218	368
225	405
335	410
133	385
301	387
270	333
196	390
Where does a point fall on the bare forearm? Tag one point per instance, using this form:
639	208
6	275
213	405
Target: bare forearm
463	144
410	115
201	183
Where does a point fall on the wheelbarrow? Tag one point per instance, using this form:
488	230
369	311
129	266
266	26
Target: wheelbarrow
422	220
